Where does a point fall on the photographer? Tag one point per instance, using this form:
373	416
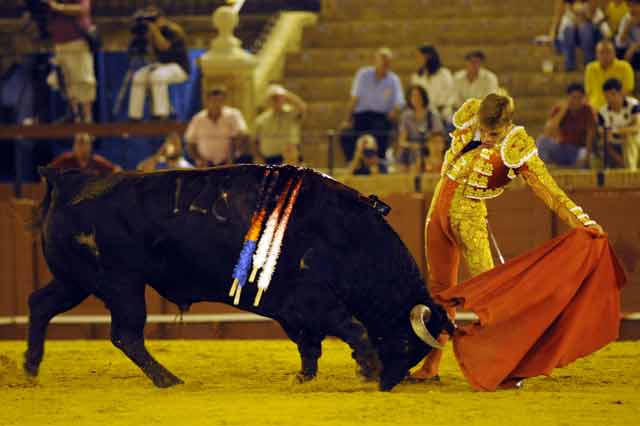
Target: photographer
68	23
172	64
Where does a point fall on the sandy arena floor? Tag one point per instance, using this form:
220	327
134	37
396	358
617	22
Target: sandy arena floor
250	383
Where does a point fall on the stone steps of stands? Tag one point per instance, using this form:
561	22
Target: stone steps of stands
438	31
329	114
519	84
407	9
345	61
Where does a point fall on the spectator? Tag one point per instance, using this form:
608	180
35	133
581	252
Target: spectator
436	80
474	81
615	10
417	122
83	158
172	66
366	160
436	147
215	132
169	156
278	128
570	130
68	25
605	67
575	24
376	100
619	124
628	38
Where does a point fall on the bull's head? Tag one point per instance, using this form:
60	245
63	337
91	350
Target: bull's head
400	354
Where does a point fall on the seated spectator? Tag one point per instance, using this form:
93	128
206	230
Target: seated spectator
82	157
376	100
615	10
570	130
474	81
619	125
576	24
169	156
171	66
417	122
628	38
366	160
436	80
278	127
215	133
436	147
605	67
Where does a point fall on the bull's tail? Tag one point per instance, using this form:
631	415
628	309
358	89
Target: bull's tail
43	208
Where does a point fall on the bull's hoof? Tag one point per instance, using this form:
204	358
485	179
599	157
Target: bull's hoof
368	374
303	377
389	380
387	387
31	370
167	381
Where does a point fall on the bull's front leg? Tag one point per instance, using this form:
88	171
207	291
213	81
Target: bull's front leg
128	317
310	349
352	332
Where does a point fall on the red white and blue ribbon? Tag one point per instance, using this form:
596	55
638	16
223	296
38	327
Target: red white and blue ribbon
276	245
241	270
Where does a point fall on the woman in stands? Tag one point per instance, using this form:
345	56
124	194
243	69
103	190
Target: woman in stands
487	152
436	80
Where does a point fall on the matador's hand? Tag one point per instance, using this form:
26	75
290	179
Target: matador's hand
597	228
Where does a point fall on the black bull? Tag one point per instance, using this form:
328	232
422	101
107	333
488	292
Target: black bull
343	271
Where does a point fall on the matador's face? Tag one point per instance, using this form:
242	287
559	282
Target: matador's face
492	136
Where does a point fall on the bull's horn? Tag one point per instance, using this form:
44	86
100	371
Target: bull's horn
419	317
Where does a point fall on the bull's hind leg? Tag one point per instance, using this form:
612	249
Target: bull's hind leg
44	304
128	317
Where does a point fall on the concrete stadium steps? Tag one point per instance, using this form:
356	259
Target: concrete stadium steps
519	84
349	31
407	9
345	61
438	31
325	115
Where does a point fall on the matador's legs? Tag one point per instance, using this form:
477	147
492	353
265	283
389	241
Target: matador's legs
467	221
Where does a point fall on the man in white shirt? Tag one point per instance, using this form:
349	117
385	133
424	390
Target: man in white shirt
619	124
215	132
474	81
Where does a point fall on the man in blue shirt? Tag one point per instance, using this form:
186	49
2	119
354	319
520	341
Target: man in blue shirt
376	100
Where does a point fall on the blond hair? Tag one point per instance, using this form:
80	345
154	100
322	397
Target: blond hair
496	109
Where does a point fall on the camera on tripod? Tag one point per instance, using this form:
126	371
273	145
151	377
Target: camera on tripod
39	11
139	29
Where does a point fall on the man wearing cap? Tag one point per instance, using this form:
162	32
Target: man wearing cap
376	100
278	127
214	133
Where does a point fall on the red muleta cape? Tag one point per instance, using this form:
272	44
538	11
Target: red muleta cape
539	311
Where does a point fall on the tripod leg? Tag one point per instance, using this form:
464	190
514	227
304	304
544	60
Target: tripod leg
121	92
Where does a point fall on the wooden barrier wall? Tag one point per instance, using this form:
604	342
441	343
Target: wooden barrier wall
519	220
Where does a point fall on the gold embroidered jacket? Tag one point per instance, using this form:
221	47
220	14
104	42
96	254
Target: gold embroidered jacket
485	172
